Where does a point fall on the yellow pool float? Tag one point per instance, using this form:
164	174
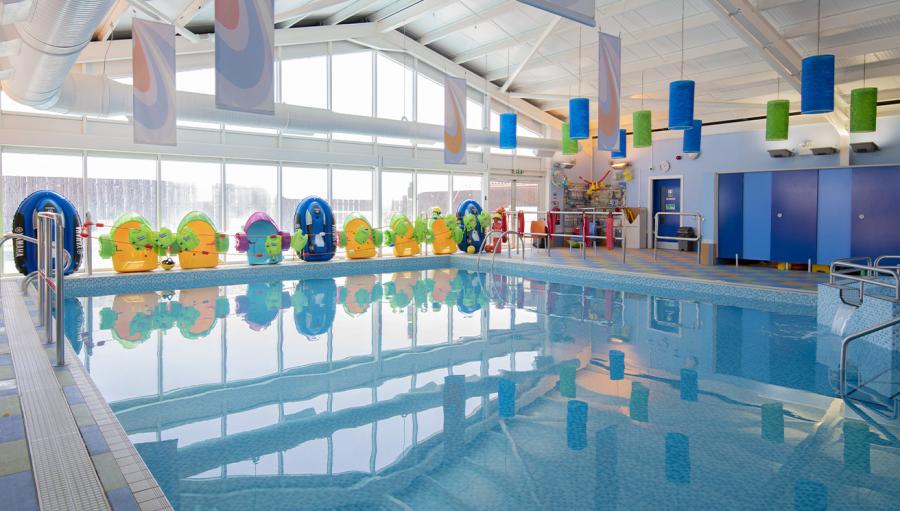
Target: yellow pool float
444	232
197	242
359	237
133	245
404	236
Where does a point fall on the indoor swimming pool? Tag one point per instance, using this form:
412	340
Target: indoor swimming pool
383	392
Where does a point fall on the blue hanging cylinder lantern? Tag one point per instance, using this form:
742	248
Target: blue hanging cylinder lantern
508	131
681	105
579	119
817	85
691	143
623	148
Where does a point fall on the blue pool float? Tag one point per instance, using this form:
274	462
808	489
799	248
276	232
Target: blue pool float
471	238
313	217
25	222
315	303
262	240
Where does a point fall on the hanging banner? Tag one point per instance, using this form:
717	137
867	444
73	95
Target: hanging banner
245	55
153	69
608	89
581	11
454	120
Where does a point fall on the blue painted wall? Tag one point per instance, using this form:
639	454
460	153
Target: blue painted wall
835	215
735	151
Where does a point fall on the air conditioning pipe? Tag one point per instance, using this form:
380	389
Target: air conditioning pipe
101	96
51	40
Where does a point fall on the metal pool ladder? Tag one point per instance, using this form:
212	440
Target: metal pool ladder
845	345
52	259
861	271
520	247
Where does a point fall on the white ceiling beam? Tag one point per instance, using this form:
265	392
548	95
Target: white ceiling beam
352	9
561	99
409	14
766	5
534	48
623	6
106	27
669	28
158	15
189	11
843	22
498	45
655	61
864	47
469	21
121	49
434	59
286	19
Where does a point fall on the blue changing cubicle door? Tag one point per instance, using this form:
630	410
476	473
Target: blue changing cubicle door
667	198
794	205
834	215
758	216
729	216
875	220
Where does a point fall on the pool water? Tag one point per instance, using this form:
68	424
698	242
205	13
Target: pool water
331	393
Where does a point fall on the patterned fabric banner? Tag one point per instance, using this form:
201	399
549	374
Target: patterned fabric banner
245	54
454	120
153	69
608	83
581	11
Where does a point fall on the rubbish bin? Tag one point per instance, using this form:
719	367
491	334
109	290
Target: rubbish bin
686	232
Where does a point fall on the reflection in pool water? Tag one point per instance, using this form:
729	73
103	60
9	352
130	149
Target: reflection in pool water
381	391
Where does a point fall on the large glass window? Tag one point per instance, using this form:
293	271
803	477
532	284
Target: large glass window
351	193
429	105
189	185
466	186
117	185
396	195
394	94
201	81
474	121
432	190
351	88
24	173
305	82
298	183
249	188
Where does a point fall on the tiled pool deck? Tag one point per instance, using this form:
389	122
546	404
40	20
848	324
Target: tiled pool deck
121	481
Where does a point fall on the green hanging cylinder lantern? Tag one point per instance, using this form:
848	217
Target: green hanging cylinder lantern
569	145
863	109
777	112
640	124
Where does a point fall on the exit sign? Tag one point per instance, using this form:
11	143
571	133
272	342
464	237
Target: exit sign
517	172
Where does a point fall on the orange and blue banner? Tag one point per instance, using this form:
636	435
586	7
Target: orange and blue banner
609	80
454	120
153	69
245	55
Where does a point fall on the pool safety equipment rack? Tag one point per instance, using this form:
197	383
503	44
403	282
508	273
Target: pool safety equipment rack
584	237
698	238
859	271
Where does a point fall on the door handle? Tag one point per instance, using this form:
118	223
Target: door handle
778	215
861	216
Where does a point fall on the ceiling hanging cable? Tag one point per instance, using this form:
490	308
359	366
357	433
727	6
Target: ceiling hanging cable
682	39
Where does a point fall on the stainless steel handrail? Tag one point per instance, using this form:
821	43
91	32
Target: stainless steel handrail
52	262
67	257
845	270
845	344
494	232
883	257
698	238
